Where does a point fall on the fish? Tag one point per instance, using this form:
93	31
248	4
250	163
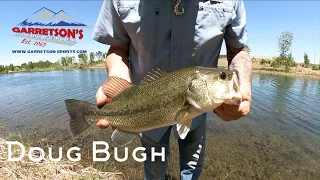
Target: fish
161	99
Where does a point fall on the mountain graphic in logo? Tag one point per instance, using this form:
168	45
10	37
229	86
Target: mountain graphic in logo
47	17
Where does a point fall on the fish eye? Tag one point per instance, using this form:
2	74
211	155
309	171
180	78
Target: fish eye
223	75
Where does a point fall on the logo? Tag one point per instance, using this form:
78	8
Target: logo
49	26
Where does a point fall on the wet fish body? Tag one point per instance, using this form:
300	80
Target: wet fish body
162	99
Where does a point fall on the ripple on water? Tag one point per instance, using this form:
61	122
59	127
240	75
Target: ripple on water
285	110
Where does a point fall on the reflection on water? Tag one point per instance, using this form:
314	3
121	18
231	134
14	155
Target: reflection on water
281	134
318	88
305	85
29	98
282	91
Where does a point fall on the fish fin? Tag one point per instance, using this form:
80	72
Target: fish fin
193	103
184	128
182	114
151	76
77	111
121	138
188	112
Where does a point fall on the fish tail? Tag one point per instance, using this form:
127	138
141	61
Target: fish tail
81	114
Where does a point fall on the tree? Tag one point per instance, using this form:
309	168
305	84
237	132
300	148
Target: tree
69	60
72	59
306	60
284	43
30	65
2	68
11	68
64	61
24	66
91	58
285	58
48	63
99	55
83	59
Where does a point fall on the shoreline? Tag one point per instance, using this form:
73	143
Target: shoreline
61	68
291	74
257	68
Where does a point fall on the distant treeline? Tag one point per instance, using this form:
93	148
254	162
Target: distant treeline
84	60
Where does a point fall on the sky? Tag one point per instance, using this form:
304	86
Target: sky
265	22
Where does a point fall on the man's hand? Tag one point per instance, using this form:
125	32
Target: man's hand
238	59
102	99
229	112
112	87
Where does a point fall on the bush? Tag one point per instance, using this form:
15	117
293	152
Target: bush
286	68
285	61
263	61
315	67
275	63
289	61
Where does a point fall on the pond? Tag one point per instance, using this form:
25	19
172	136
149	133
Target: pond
280	138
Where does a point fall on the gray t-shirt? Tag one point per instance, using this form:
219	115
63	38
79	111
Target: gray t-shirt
158	38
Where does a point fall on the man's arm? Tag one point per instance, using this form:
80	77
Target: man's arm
238	58
117	64
109	30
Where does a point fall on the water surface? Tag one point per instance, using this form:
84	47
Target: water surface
279	139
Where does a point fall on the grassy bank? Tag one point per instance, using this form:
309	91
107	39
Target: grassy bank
296	71
99	65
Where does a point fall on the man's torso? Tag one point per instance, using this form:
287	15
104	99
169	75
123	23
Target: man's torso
161	39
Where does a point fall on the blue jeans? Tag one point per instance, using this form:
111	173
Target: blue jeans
191	151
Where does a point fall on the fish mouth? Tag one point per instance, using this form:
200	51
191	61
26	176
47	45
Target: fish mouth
235	80
235	97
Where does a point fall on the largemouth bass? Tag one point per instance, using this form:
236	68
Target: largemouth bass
162	99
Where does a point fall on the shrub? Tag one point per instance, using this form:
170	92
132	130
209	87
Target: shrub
286	68
275	63
306	60
289	61
284	61
263	61
315	67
